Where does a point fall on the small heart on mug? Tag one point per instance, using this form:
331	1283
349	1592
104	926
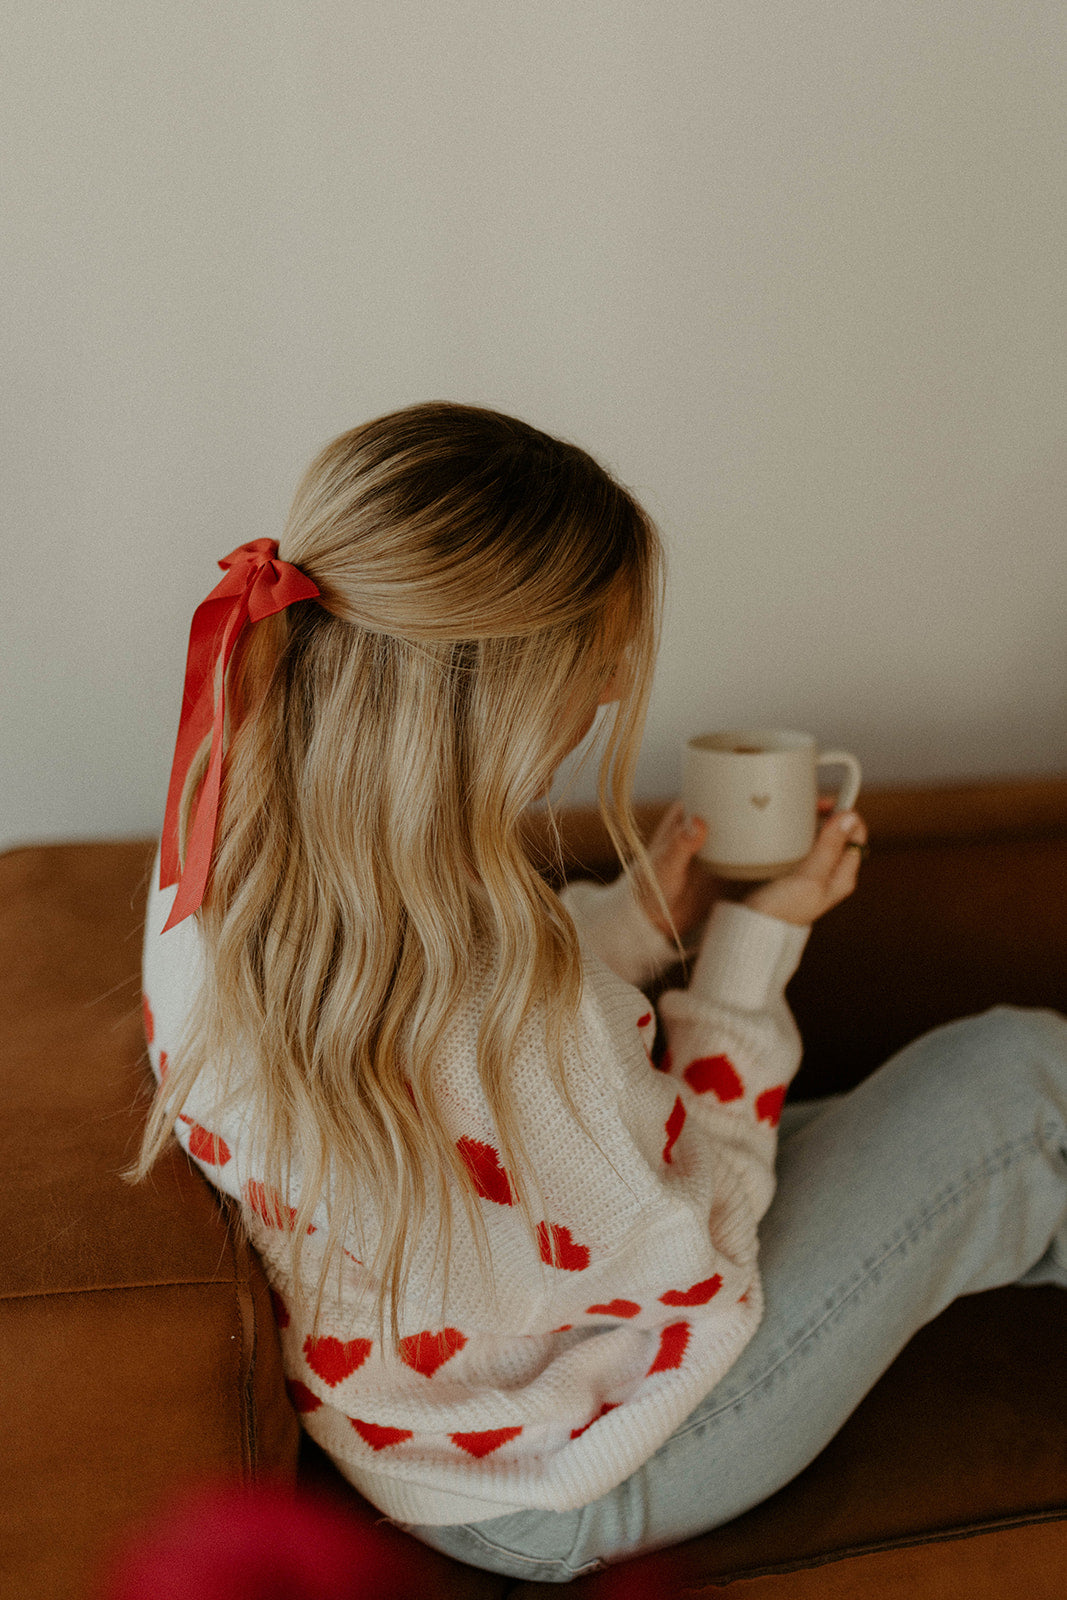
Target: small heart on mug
762	801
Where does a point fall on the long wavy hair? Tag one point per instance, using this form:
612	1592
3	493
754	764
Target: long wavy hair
481	583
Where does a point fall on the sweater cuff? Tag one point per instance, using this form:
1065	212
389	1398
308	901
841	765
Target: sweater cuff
615	927
746	958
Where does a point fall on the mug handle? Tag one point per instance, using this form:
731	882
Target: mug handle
848	794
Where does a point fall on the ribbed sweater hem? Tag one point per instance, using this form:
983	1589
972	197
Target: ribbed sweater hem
623	1443
403	1501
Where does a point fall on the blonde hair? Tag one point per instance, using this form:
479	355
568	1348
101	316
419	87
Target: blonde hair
480	582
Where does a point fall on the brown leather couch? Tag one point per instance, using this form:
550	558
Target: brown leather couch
137	1349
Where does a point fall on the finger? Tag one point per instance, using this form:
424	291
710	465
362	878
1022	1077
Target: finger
852	826
842	883
674	815
844	876
666	828
683	845
695	831
859	832
831	846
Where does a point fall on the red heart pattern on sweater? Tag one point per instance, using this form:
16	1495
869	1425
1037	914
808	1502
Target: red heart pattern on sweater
609	1405
558	1249
268	1205
207	1147
642	1022
673	1127
717	1074
377	1437
162	1065
149	1019
614	1308
487	1171
483	1444
698	1295
666	1062
301	1396
425	1352
672	1346
334	1359
769	1105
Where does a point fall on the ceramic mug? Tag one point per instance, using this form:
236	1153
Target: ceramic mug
757	790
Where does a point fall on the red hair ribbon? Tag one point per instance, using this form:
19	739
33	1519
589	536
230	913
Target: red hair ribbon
256	585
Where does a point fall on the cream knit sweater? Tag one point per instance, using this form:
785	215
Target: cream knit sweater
642	1286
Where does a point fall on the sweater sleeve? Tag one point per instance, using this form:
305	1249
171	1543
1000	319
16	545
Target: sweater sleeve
731	1038
669	1212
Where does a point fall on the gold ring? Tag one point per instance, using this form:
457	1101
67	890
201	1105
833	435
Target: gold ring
864	849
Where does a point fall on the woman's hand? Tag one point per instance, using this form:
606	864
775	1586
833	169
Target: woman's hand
823	879
689	886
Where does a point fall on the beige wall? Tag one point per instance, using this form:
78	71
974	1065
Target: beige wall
794	270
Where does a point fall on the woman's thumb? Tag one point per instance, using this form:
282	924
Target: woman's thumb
691	835
678	839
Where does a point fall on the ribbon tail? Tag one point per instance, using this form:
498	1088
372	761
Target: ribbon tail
211	619
198	850
192	878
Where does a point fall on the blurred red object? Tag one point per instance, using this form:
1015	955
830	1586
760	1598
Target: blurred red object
266	1543
272	1542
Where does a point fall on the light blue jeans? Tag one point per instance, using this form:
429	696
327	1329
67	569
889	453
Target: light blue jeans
945	1172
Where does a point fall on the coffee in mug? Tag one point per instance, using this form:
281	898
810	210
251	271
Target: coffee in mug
757	790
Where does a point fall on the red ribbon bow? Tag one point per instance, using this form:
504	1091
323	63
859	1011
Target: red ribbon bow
256	585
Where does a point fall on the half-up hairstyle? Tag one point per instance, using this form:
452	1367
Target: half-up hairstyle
480	583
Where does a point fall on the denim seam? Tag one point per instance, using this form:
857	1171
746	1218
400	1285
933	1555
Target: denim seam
549	1563
998	1161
